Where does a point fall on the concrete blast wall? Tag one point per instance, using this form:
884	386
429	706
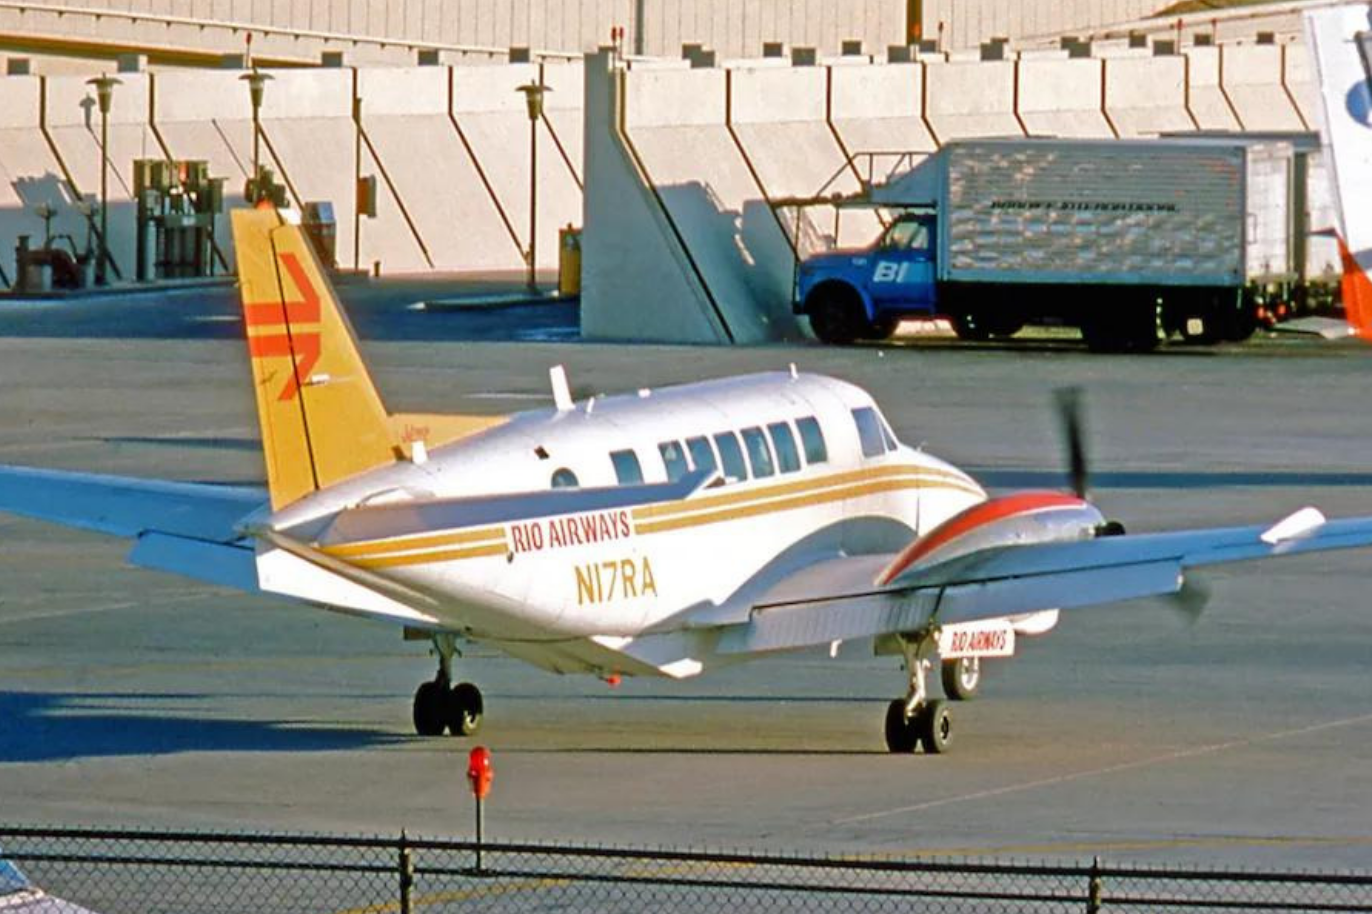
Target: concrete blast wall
30	177
1252	79
880	109
1061	97
640	279
709	201
1146	96
1205	97
493	120
73	124
969	99
779	117
458	221
966	23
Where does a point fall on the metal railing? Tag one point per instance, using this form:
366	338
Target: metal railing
148	872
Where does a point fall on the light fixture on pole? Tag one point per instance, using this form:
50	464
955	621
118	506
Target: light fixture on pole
104	95
533	98
257	84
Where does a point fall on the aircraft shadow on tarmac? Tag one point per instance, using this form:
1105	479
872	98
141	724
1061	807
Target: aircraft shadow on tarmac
62	726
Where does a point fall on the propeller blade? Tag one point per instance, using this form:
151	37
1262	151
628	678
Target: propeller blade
1073	432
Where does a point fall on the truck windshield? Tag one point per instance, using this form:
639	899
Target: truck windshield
907	236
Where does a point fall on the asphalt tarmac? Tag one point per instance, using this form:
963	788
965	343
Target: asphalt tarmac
129	698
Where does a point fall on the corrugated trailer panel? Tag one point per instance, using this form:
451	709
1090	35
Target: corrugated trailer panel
1093	212
1268	226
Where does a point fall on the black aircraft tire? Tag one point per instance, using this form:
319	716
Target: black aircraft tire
429	701
961	678
464	709
901	737
936	728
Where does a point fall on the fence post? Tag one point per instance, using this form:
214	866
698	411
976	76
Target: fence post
1093	891
406	867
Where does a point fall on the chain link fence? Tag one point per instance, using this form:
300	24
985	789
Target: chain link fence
153	872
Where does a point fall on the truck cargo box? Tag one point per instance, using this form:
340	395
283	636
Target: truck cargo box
1167	213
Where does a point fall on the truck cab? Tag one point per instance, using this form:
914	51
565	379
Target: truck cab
863	294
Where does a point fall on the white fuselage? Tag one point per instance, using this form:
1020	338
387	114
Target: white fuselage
618	572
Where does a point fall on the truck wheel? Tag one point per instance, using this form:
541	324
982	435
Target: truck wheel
968	326
881	328
836	315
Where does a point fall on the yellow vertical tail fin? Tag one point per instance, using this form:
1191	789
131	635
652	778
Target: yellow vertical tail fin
322	419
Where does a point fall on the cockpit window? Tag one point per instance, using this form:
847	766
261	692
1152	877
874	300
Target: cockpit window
784	443
870	432
908	235
627	470
812	437
759	454
674	459
731	457
702	455
564	479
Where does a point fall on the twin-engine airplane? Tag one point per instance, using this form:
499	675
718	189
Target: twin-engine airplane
660	533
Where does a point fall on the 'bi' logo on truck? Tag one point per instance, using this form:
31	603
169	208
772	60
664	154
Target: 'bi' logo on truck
891	271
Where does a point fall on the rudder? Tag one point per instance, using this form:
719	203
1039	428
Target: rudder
321	417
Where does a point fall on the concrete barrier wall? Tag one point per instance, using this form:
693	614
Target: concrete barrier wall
880	108
29	175
73	123
405	117
1252	79
1061	98
206	115
1298	76
1204	96
1146	96
970	100
491	114
780	119
676	126
640	279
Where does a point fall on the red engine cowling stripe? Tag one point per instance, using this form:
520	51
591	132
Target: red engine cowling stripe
975	517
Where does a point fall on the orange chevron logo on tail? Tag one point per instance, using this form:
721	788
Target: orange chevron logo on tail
299	323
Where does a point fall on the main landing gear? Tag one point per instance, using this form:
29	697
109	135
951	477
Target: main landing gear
439	705
915	720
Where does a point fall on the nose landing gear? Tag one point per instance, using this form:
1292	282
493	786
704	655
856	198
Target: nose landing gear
439	705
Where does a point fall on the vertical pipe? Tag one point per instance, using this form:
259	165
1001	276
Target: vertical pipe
480	828
406	873
533	203
101	277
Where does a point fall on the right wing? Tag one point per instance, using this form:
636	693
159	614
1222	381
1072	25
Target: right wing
1010	580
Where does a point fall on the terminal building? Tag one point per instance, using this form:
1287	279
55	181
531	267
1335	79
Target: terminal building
676	136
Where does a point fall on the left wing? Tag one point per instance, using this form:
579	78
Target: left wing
1008	580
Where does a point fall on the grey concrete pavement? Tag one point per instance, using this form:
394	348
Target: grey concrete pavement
128	698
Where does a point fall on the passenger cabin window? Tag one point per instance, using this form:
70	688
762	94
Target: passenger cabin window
674	459
759	454
564	479
812	438
627	470
731	457
784	443
870	432
702	455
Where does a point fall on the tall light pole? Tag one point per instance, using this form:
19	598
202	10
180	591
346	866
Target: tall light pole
533	99
257	84
104	94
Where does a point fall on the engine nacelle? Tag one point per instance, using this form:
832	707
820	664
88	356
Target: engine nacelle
1025	517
